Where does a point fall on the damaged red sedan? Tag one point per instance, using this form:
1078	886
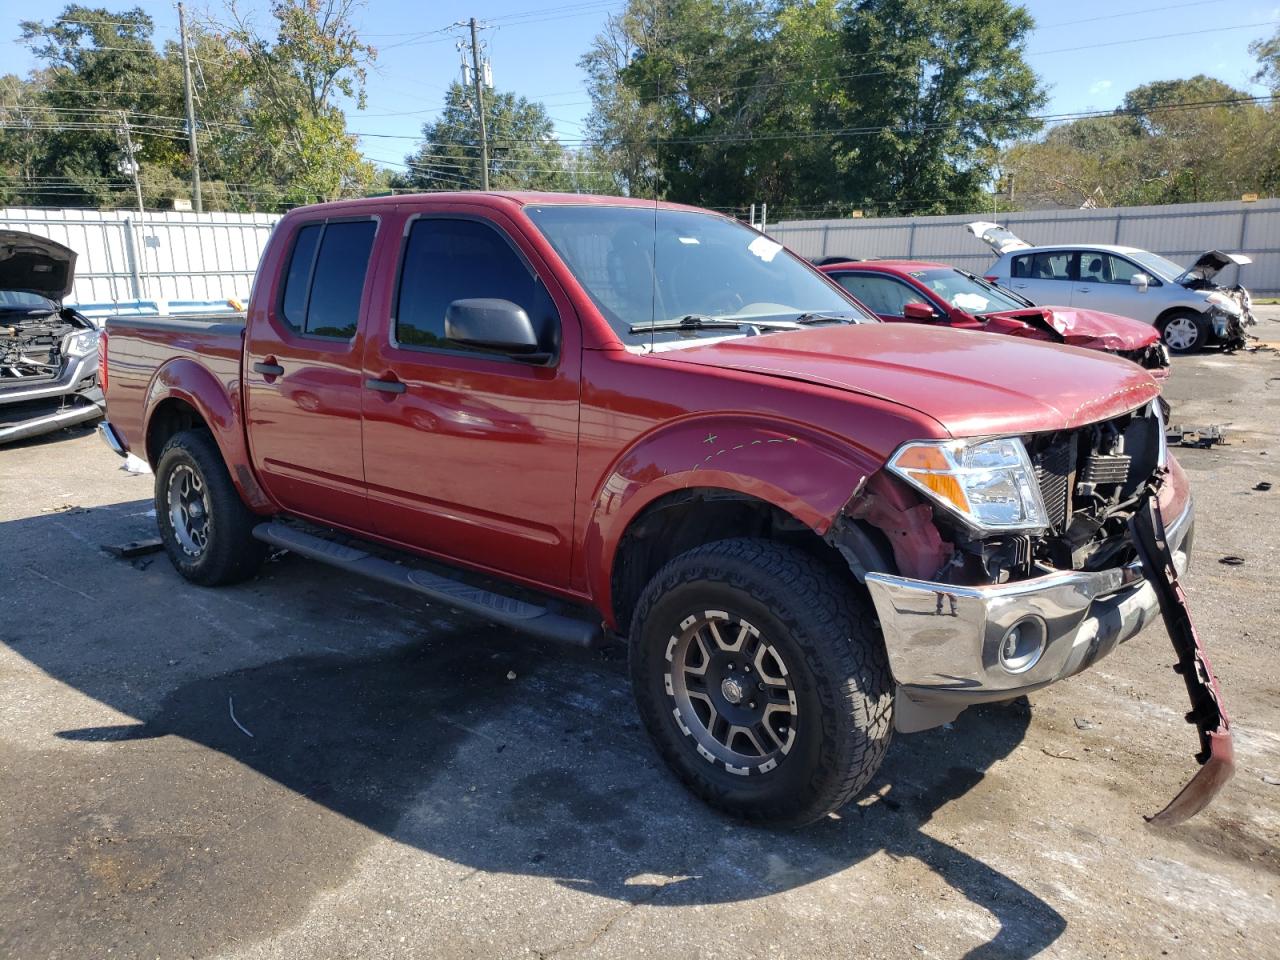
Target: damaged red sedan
917	291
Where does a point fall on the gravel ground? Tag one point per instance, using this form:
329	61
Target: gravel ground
309	766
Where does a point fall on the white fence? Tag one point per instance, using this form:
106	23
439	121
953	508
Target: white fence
158	255
1179	232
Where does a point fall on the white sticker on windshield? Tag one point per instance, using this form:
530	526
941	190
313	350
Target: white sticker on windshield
688	239
764	248
970	301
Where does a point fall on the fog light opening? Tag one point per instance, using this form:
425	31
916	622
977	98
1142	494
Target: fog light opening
1021	646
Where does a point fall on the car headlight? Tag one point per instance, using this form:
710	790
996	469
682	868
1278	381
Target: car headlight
989	484
80	343
1223	302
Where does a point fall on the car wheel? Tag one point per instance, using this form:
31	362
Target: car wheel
204	525
1184	331
762	679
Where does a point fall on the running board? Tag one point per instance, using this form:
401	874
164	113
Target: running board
518	614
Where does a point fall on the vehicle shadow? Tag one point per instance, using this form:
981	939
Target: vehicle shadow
469	743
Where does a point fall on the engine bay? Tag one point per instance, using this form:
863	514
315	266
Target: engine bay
31	342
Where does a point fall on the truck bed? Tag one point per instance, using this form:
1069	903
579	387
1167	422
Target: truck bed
138	347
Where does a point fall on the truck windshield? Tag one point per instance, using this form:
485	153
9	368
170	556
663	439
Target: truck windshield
663	275
967	293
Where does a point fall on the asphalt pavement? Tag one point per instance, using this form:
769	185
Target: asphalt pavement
308	765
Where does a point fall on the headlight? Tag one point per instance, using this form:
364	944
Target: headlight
80	343
987	483
1223	302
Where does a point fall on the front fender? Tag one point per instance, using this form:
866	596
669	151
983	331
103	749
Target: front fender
806	473
219	406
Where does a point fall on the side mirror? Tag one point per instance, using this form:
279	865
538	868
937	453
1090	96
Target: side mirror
918	311
1141	281
491	324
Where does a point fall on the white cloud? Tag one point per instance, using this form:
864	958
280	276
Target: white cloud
1099	86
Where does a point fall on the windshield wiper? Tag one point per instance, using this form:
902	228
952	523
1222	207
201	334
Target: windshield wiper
700	321
821	318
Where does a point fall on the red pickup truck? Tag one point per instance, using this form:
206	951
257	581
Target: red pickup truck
589	417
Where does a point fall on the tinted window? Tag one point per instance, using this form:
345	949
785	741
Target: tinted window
299	275
880	294
1043	266
448	260
338	282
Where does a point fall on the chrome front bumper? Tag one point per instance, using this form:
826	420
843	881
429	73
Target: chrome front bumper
944	641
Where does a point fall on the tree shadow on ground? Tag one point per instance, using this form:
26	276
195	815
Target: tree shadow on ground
430	743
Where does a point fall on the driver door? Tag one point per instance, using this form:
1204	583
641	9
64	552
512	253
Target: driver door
472	454
883	296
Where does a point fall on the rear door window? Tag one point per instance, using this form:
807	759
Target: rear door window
325	281
1043	266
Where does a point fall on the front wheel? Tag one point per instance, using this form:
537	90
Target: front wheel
1184	331
762	680
204	525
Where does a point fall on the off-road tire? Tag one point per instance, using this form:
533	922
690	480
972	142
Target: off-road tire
231	554
1201	325
824	631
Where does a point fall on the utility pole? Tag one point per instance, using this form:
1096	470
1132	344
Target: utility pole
132	160
478	81
191	113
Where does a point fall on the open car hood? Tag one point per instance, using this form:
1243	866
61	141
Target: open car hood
33	264
1087	328
998	238
972	383
1208	265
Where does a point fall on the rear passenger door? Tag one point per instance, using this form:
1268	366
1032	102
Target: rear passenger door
302	376
1045	277
472	454
1103	283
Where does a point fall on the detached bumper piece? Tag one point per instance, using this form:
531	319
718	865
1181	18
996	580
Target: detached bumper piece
1217	752
951	646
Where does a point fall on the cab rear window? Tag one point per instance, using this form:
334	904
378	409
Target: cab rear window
325	279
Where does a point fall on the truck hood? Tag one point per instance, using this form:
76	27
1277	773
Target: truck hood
1208	265
1087	328
33	264
974	384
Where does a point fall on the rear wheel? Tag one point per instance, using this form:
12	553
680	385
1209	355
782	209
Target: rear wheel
1184	331
205	526
762	680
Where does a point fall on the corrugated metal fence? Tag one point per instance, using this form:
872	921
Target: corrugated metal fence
158	255
1179	232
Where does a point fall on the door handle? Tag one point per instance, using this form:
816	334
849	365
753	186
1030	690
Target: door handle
385	386
268	369
1020	286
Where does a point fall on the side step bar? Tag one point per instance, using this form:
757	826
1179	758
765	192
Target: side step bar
509	611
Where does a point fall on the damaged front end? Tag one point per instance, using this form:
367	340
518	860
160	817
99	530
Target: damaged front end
48	369
1001	614
1230	307
48	352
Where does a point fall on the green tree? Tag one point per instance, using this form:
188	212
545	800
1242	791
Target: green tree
523	151
100	69
1176	141
812	104
291	84
1267	53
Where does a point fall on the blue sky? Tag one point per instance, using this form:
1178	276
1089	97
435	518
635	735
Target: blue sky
534	48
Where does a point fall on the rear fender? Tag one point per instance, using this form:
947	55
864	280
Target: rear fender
807	474
219	406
